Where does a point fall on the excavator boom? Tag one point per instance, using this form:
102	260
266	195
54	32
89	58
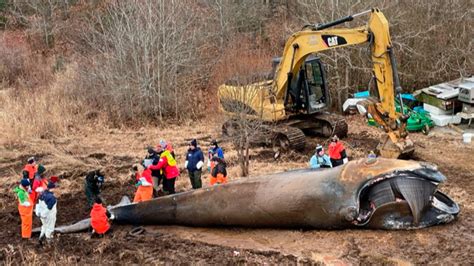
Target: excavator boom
314	39
298	95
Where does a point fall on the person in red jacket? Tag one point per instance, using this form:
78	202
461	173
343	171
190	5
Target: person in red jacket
99	218
168	164
337	152
40	184
144	184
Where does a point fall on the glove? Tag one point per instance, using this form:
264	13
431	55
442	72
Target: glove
139	183
199	164
345	160
112	217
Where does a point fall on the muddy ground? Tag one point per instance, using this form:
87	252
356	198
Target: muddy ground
115	150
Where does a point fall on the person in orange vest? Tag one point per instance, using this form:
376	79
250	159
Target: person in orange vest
168	163
99	218
219	172
337	152
144	184
31	168
25	208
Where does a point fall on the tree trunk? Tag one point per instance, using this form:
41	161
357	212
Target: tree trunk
246	158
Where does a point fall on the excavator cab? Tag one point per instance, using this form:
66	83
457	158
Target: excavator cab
313	86
308	92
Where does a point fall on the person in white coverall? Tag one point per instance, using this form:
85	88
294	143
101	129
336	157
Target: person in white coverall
46	211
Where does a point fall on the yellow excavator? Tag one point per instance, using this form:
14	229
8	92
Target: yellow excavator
297	99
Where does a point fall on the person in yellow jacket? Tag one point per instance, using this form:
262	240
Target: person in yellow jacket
25	208
168	164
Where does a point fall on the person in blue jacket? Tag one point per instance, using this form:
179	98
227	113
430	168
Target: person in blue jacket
320	159
214	151
194	163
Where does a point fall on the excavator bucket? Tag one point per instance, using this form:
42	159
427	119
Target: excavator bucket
403	148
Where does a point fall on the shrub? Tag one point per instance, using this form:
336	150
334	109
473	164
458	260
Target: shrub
12	62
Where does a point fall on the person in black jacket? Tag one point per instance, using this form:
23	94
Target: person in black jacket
157	175
93	186
194	163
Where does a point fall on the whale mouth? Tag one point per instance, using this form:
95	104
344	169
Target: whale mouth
405	200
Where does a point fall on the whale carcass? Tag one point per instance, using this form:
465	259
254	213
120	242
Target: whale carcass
380	193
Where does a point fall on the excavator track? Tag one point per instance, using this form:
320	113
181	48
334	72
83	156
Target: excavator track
281	137
331	124
288	137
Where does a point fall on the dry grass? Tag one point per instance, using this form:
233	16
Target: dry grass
41	113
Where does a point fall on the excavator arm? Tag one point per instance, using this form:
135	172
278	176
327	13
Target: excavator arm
316	38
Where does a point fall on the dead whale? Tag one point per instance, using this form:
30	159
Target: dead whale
380	194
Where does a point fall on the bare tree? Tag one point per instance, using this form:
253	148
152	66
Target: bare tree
231	17
243	126
243	67
146	53
42	17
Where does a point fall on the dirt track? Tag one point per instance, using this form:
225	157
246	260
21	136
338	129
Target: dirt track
73	156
